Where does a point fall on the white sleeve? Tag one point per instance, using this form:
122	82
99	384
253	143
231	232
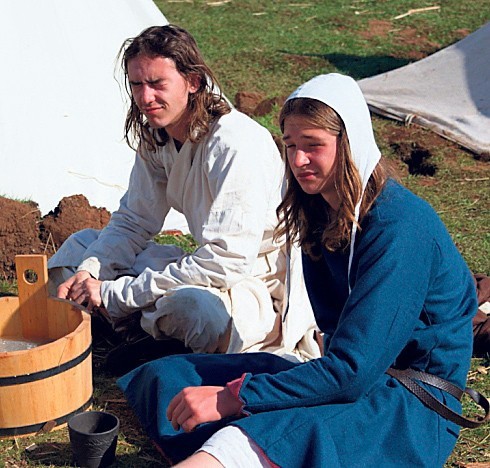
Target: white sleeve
139	218
243	175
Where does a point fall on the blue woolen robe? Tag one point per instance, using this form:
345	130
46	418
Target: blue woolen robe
411	303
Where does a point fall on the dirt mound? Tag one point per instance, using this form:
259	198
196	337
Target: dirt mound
24	231
72	214
19	233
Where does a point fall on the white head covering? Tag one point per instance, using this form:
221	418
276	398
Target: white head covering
342	94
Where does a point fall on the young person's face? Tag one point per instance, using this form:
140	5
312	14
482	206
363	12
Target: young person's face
311	154
161	93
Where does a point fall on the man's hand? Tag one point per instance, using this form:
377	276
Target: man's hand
82	289
64	288
197	405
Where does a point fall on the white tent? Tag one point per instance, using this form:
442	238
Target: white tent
61	109
448	92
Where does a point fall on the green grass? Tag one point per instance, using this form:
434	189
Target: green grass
185	242
474	444
7	288
271	47
20	200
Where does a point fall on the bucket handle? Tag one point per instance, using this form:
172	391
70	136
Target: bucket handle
32	283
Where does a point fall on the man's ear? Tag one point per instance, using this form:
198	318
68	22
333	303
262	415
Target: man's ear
194	81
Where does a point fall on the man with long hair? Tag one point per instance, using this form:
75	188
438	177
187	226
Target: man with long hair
223	171
391	294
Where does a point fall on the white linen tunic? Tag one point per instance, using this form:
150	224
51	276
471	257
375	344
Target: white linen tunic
228	186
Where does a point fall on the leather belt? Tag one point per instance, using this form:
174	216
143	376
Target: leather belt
409	378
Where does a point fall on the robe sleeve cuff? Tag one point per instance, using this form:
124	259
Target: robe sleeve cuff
234	387
92	266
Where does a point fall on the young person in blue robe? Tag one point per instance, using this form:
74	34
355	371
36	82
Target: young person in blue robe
389	290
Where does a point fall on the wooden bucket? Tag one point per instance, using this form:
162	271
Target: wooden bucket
42	387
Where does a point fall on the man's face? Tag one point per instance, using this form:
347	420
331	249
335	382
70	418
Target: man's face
161	93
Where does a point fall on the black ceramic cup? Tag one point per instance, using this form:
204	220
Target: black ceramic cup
93	438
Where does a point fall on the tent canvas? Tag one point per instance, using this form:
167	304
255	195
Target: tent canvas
62	110
448	92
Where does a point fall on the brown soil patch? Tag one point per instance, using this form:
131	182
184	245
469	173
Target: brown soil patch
302	61
267	105
416	157
413	147
377	28
246	101
414	135
407	139
72	214
255	104
23	231
417	42
19	233
420	46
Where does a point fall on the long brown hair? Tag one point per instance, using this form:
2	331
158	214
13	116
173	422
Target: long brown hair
205	105
308	219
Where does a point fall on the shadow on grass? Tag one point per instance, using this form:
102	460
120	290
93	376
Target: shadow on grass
59	454
50	453
355	65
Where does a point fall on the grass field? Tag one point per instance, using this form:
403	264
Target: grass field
270	47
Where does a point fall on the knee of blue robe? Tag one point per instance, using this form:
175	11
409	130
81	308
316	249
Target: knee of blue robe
150	387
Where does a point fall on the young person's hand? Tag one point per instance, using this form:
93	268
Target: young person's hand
64	289
82	289
196	405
